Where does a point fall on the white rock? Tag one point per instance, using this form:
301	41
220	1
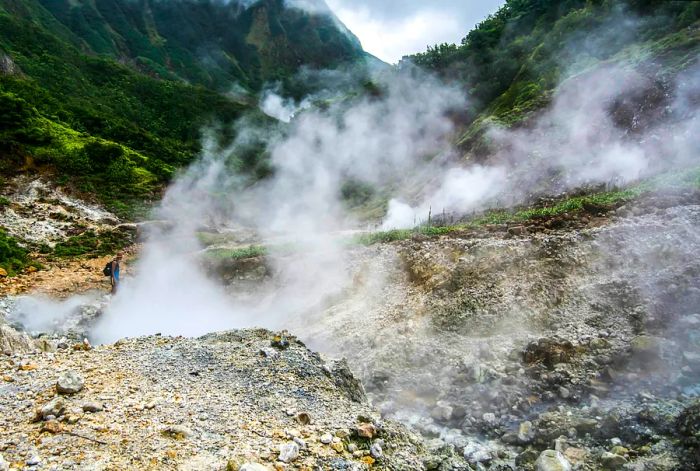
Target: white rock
288	452
69	382
326	438
54	408
526	432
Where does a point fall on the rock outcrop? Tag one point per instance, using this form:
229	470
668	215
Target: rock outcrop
12	341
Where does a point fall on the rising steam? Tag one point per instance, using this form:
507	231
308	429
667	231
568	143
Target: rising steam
398	142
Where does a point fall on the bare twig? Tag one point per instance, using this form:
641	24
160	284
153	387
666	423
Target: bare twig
76	434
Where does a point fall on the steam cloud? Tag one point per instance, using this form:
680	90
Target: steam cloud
398	143
380	141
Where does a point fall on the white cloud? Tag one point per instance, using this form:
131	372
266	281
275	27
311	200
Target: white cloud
390	29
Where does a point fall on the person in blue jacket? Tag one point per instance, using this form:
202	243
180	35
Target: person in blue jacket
116	268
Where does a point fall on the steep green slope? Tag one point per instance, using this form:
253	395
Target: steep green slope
512	61
113	94
210	42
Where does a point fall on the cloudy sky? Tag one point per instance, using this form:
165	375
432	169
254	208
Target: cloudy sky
390	29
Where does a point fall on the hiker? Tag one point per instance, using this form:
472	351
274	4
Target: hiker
112	269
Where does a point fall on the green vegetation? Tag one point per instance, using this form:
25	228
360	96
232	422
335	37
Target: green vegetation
511	62
569	204
112	95
592	202
92	244
13	258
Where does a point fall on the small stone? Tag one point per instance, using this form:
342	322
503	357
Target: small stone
326	438
615	441
51	426
33	460
552	460
526	433
3	273
269	352
611	461
376	451
560	444
564	393
352	448
442	412
288	452
303	418
300	442
619	450
4	465
92	407
53	408
338	447
489	418
366	430
368	460
475	452
69	382
575	455
178	432
599	344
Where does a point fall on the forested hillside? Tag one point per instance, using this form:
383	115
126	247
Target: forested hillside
511	62
113	94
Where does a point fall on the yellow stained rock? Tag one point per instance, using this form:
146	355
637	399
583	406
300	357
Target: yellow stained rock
368	460
338	447
51	426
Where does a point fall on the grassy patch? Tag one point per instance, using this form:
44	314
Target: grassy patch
13	257
92	244
238	253
689	178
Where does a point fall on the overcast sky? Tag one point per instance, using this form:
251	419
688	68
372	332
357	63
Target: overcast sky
390	29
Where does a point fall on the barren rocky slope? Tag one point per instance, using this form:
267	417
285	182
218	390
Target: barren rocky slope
503	343
226	401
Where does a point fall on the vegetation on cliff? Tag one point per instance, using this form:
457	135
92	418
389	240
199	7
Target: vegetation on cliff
113	95
511	62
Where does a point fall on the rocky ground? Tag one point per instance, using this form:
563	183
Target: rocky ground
41	213
235	400
501	344
561	343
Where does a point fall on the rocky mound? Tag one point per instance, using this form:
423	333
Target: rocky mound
245	400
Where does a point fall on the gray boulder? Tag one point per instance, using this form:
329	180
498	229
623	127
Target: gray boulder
69	382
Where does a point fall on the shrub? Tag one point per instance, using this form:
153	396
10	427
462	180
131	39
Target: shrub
13	258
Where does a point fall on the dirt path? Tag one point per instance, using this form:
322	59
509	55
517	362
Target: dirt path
66	277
